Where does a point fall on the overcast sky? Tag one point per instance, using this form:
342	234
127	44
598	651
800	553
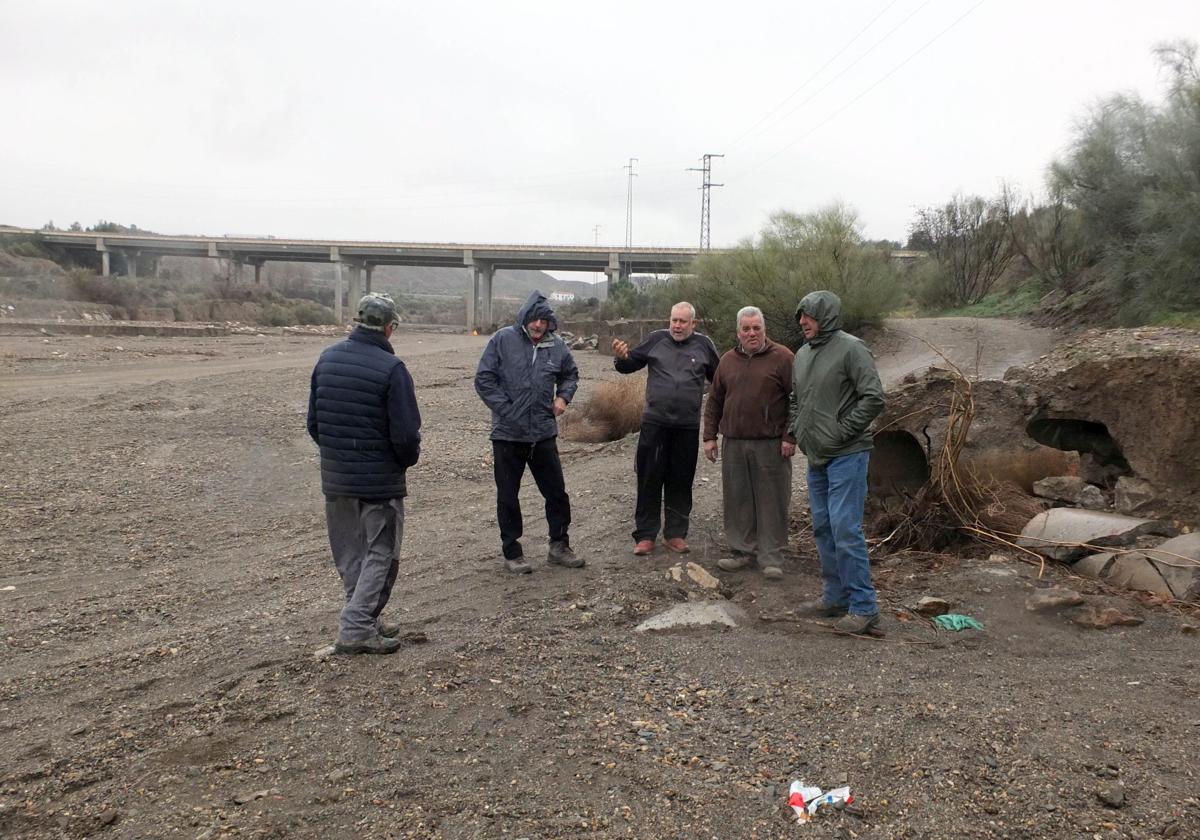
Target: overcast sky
512	122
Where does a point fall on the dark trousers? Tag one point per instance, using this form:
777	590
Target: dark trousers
509	461
666	465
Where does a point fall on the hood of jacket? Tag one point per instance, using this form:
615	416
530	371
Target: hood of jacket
826	309
535	307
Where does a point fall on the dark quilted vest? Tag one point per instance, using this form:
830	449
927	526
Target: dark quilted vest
351	380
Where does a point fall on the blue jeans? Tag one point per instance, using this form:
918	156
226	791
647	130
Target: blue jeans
836	494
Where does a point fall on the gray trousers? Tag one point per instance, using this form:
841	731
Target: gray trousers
365	539
757	494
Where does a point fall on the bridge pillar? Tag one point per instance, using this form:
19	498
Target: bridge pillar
258	272
131	258
367	270
484	274
355	294
472	299
105	263
337	293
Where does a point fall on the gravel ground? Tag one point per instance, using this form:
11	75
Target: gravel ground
165	582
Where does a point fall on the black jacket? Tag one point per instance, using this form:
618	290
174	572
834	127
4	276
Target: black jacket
362	412
678	371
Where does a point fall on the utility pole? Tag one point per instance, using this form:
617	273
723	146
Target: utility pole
705	202
629	204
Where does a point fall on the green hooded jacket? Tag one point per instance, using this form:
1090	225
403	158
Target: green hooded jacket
836	391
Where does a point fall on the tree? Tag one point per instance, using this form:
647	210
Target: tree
971	242
795	254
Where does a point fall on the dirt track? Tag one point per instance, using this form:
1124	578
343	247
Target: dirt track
163	539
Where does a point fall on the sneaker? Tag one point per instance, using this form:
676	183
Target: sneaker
857	624
643	548
821	609
677	544
772	572
733	564
560	554
518	566
372	644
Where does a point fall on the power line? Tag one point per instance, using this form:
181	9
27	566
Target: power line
705	204
811	78
863	93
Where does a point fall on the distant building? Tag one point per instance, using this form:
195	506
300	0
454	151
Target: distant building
562	297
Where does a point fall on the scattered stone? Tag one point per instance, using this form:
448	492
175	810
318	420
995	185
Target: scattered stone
1111	794
243	798
695	614
1132	494
1053	599
108	816
323	652
932	606
1094	565
1101	618
1070	489
1065	533
695	572
340	775
1189	629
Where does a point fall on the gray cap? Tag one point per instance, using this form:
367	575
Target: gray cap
376	311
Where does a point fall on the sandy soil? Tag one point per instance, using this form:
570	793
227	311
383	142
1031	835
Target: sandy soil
165	581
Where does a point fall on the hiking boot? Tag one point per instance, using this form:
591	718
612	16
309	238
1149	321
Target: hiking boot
733	564
857	624
821	609
388	631
677	544
372	644
560	554
772	572
517	565
643	548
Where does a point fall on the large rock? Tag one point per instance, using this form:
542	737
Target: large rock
695	614
1070	489
1094	565
1178	561
1132	494
1065	534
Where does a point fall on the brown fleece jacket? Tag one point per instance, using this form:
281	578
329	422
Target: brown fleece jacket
748	397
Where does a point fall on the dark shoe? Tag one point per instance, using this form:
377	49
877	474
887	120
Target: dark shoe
734	564
643	548
772	572
388	631
372	644
560	554
857	624
821	609
518	566
677	544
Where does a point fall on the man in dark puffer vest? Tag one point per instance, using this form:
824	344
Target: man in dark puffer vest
362	412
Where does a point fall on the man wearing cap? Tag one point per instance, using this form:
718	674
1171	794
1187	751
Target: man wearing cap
680	362
836	394
748	405
362	412
527	376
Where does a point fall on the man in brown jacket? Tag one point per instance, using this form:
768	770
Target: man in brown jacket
748	405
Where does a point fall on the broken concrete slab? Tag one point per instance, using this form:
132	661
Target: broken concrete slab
1134	571
695	614
1178	561
1052	599
1131	493
1065	533
1094	565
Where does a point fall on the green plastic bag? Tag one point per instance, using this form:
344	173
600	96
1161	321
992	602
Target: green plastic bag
954	621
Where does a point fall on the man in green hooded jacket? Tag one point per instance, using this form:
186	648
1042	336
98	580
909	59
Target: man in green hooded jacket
836	394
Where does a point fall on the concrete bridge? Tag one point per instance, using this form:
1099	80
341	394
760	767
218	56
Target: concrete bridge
358	258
